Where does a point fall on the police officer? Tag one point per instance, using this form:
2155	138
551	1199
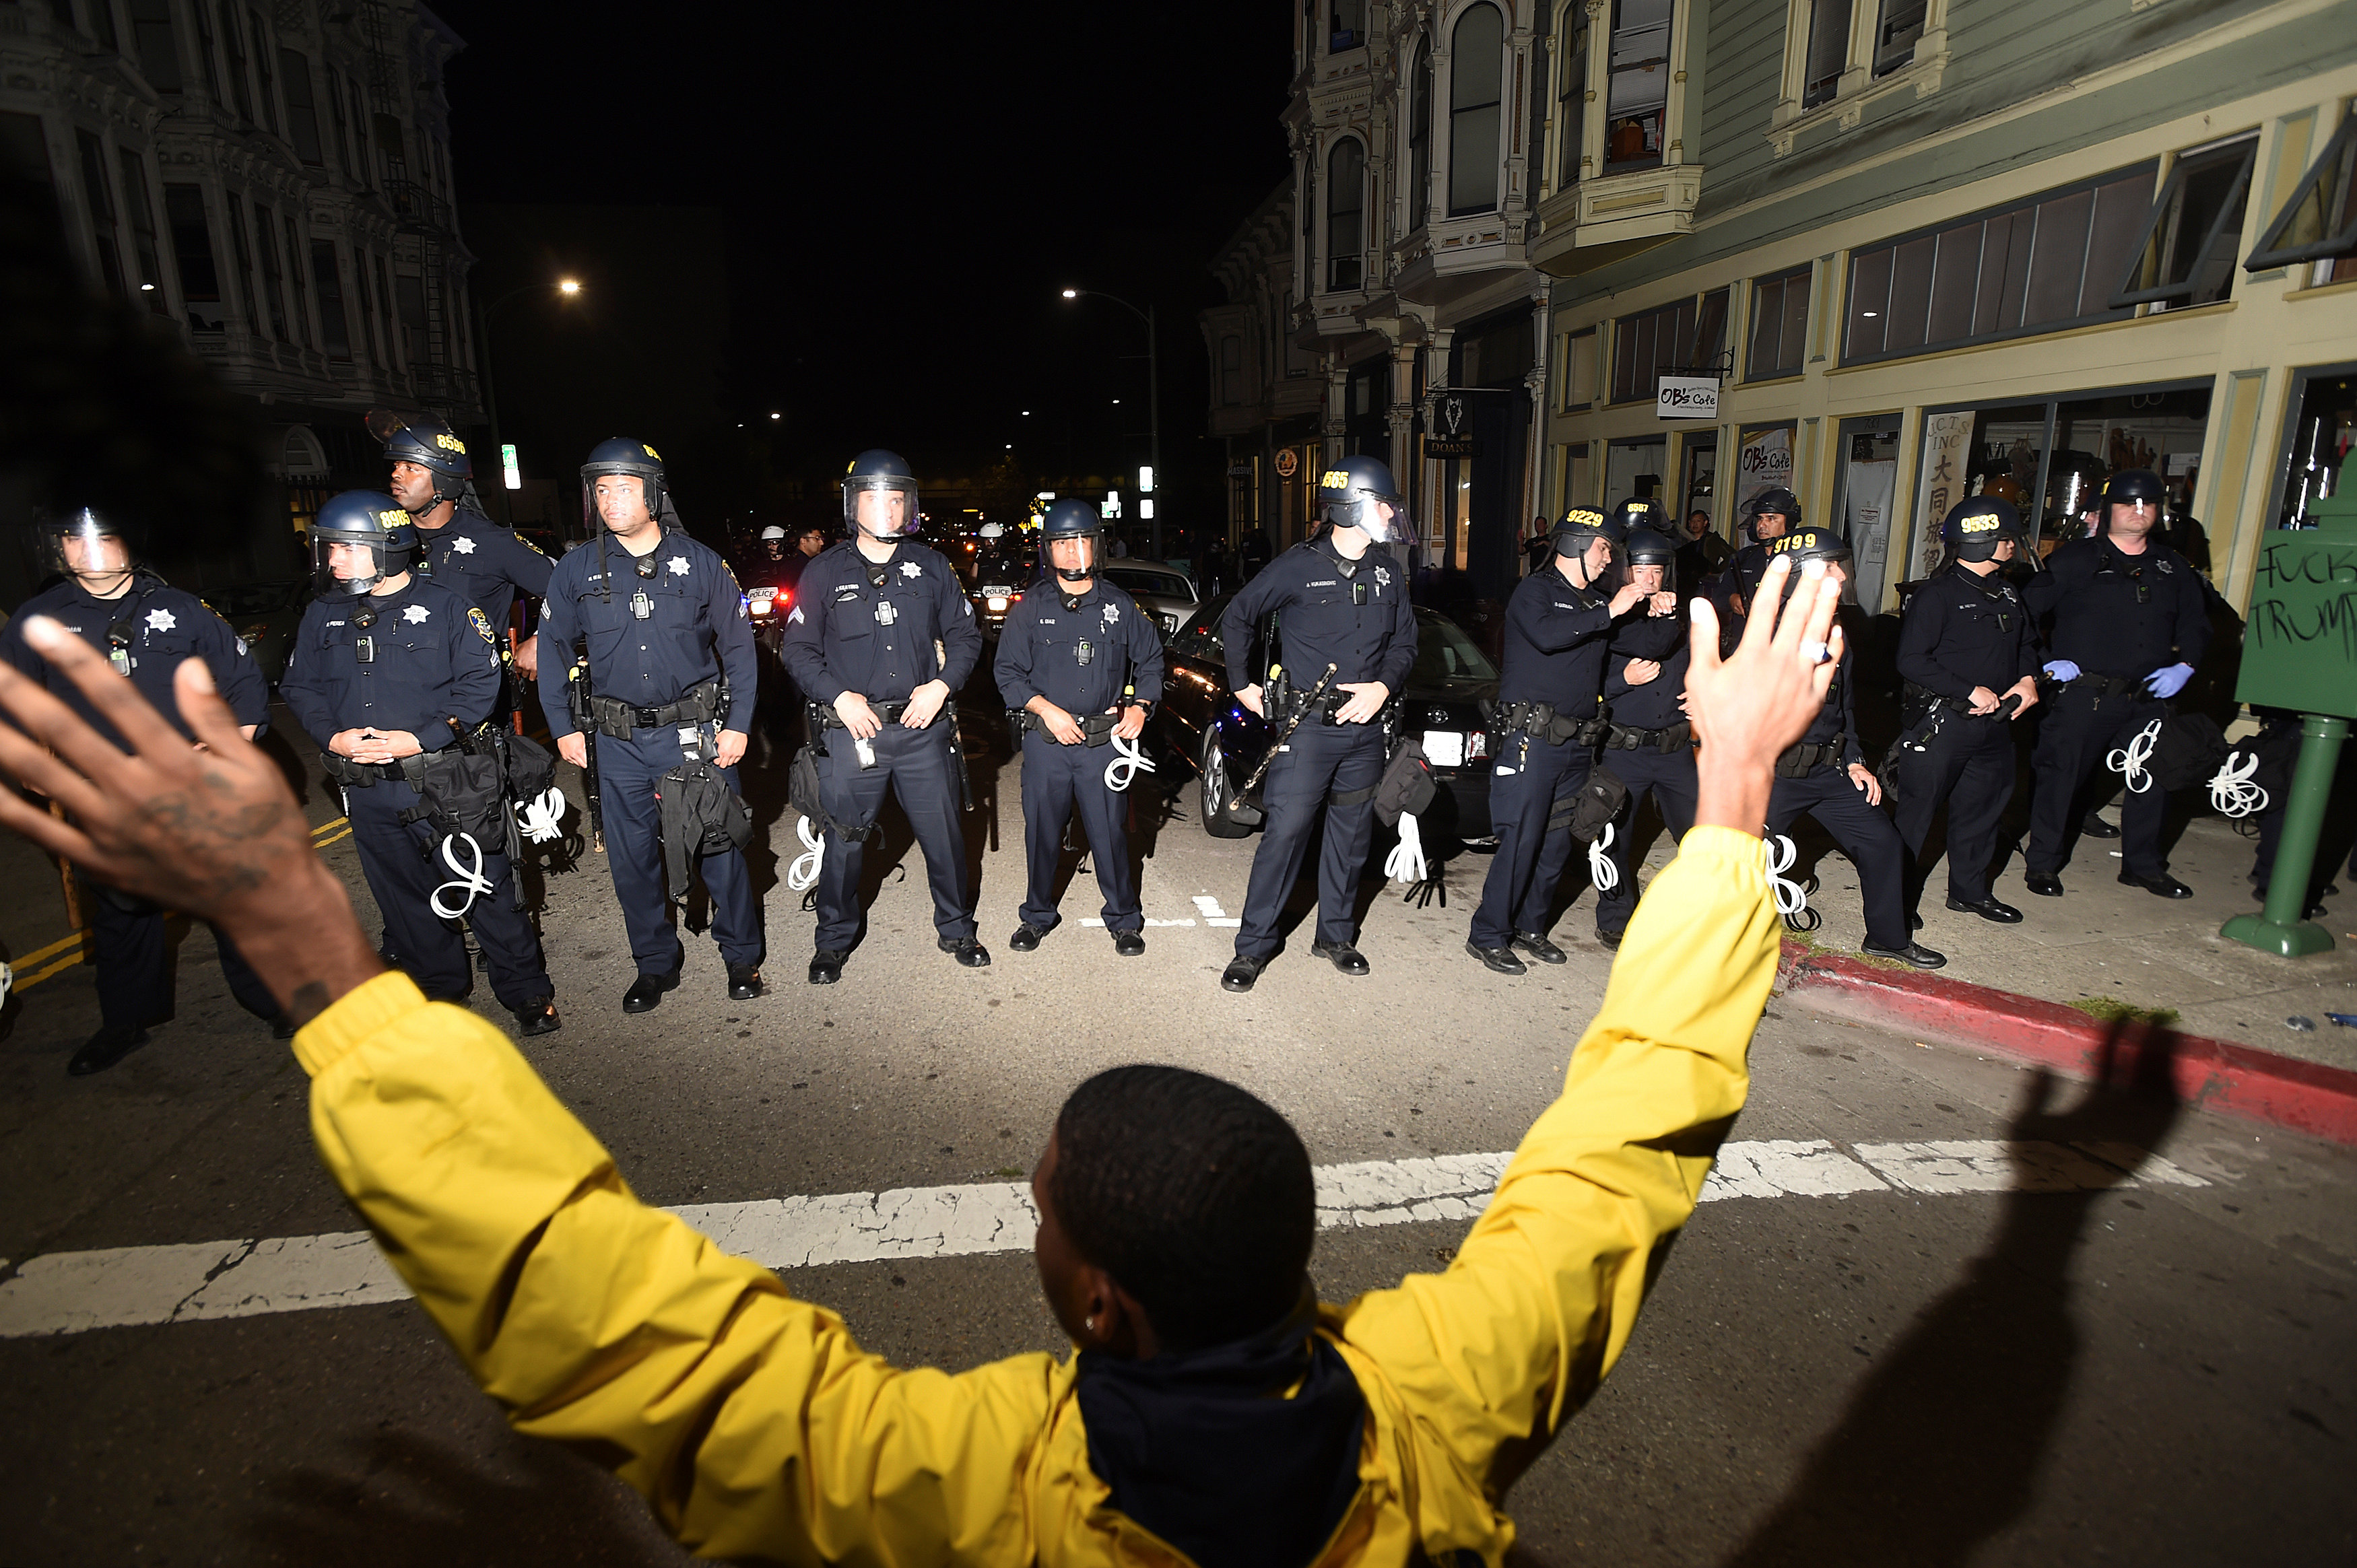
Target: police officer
860	642
457	545
1649	745
1965	648
386	669
1558	624
2128	623
1767	517
147	628
1083	664
1338	601
672	681
1824	776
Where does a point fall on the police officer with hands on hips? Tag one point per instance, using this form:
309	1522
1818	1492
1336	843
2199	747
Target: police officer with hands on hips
146	628
1558	623
385	668
860	642
1083	664
1340	601
1965	648
2128	623
1649	744
672	683
457	545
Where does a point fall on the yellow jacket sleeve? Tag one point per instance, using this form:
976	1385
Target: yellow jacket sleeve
1489	1356
752	1422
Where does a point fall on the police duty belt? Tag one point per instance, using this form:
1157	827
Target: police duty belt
1669	739
1542	721
1800	761
1096	729
613	716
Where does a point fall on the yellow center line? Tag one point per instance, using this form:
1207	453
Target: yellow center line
323	827
25	960
59	967
322	843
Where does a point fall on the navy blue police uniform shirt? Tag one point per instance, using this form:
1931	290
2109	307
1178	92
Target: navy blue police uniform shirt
161	626
433	660
1556	635
694	628
1039	651
2120	615
1662	640
1359	621
858	626
1963	630
485	564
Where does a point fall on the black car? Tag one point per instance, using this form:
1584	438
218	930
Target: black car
264	617
1451	690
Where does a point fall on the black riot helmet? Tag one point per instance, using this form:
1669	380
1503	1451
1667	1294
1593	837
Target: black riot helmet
1644	547
1640	511
2133	484
880	473
364	520
1780	501
620	454
1348	491
1810	544
1072	520
1975	525
1577	528
431	444
93	549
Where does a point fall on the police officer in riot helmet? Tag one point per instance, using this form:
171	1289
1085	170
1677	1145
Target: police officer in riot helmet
2127	623
457	545
1338	600
1964	649
392	675
1649	744
147	628
673	682
1082	666
1767	517
860	642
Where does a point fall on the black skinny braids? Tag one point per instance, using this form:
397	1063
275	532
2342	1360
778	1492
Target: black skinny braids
1195	1196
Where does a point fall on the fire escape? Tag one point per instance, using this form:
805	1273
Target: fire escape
422	236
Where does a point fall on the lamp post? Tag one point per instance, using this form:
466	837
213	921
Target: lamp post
567	288
1153	393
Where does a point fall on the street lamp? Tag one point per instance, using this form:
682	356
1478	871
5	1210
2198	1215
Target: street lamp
1152	390
569	288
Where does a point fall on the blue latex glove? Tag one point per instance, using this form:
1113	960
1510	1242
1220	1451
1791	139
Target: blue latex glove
2063	670
2166	681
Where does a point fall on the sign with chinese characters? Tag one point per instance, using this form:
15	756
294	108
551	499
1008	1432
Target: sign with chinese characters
1685	397
1947	442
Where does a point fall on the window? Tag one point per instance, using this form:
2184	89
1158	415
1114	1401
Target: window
1477	61
1579	369
302	113
25	153
1346	25
1897	26
330	280
384	311
204	16
1780	325
2045	263
1637	93
264	88
1828	51
1231	371
274	275
244	264
142	213
1676	337
159	51
1419	139
2320	221
234	34
192	255
100	201
409	296
302	300
101	22
1346	214
1571	94
343	128
2188	254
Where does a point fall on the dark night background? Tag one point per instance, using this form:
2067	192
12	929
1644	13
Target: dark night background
859	218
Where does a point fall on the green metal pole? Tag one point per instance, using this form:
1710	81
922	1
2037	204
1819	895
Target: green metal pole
2279	928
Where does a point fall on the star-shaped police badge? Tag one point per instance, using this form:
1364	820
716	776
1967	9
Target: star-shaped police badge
160	620
911	569
463	545
679	566
415	615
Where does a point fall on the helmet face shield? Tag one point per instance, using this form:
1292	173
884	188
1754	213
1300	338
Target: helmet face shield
1359	492
359	540
882	506
1651	562
617	501
1071	554
1381	518
89	549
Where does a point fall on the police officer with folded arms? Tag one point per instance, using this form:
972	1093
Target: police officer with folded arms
1558	624
860	642
2127	623
1338	600
146	628
672	686
1965	648
1082	665
457	545
1649	744
385	673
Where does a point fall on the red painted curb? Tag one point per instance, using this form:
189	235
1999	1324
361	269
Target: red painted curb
2212	1075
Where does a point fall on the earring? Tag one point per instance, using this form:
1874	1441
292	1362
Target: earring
1089	1324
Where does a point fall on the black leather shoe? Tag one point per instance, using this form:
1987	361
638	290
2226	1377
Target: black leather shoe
1500	960
103	1049
744	981
1341	955
1610	941
1987	909
1129	944
1025	938
1241	974
2094	827
2165	886
826	968
1914	953
2045	884
281	1027
538	1019
966	951
1914	922
647	992
1539	948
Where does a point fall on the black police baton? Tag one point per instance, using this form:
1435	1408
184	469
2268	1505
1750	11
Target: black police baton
1300	712
577	699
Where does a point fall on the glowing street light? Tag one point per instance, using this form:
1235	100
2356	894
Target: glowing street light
569	286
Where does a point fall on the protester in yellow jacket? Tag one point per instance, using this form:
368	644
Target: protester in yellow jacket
755	1424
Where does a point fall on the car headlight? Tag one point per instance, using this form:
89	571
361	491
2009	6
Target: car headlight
996	605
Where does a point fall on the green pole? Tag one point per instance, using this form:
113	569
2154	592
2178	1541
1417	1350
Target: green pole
2279	928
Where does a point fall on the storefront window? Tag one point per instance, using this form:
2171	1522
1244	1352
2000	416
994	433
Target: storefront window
1701	462
1866	483
2321	434
1634	469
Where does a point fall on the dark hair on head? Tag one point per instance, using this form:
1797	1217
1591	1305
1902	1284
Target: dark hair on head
1194	1195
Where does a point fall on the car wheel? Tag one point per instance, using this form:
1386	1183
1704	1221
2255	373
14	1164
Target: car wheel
1218	803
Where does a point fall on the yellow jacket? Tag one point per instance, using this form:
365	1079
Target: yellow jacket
755	1424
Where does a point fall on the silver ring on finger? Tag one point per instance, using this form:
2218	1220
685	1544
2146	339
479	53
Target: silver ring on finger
1815	652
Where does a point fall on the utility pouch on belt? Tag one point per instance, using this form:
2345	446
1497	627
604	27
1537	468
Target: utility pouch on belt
1800	761
459	792
1599	802
804	793
2190	748
1407	786
699	815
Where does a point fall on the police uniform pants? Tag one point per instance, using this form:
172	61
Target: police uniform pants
2082	729
403	863
1670	777
1533	793
1970	766
133	985
1864	833
1321	760
918	766
627	775
1056	779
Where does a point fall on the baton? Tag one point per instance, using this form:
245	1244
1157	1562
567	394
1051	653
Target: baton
1291	724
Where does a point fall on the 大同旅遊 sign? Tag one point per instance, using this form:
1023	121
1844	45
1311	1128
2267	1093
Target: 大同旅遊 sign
1685	397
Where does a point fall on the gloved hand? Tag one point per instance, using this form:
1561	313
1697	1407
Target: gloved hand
2168	681
2063	670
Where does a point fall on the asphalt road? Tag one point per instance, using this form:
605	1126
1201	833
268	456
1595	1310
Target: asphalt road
1900	1354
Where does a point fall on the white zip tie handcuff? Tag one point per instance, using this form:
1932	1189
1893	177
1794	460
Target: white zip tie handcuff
1600	869
2230	789
2129	760
542	818
1128	762
1791	899
471	882
1405	863
802	874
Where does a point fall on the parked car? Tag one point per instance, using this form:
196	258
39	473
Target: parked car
1163	592
1451	691
265	615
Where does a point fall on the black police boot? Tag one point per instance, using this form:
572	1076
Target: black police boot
2165	886
2094	827
1500	960
1539	948
103	1049
1129	944
744	981
966	951
826	967
1241	973
1610	939
1025	938
2045	884
1341	955
281	1027
1914	953
1987	909
538	1019
647	992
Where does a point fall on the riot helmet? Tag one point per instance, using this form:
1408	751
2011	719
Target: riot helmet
2128	486
1644	547
1580	526
620	456
1640	511
359	540
431	444
1975	526
1352	493
98	552
883	476
1072	520
1778	501
1811	545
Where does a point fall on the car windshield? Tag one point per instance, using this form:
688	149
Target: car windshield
1443	652
1156	584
